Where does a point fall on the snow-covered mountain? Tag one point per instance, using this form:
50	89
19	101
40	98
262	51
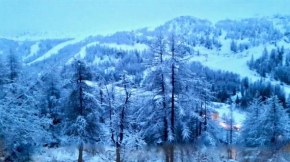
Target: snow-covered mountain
210	43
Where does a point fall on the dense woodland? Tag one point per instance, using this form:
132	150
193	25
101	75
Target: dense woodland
273	64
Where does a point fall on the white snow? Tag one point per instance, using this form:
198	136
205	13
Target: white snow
137	46
92	84
68	154
33	50
82	53
226	60
224	109
56	49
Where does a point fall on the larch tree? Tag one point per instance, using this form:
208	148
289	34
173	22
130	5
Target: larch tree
267	123
251	128
117	100
82	111
275	122
155	82
179	77
22	127
157	112
51	104
231	121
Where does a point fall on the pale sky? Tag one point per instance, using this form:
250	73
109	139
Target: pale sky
108	16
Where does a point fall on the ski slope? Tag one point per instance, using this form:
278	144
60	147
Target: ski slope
82	53
33	50
56	49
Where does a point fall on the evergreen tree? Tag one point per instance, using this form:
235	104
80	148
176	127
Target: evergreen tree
234	46
251	129
274	122
159	111
156	83
82	111
3	71
251	63
180	75
265	54
23	128
51	105
266	124
231	122
287	61
13	65
280	55
288	104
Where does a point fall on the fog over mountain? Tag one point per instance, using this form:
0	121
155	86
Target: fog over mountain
76	17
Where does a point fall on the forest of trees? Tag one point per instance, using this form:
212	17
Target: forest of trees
155	100
276	64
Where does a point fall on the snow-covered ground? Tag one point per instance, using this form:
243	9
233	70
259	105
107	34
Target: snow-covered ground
226	60
56	49
137	46
82	53
33	50
224	110
67	154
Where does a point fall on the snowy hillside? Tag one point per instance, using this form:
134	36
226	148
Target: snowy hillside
211	41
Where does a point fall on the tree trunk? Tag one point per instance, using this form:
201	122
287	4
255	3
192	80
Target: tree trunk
181	154
200	123
231	126
205	116
164	108
163	95
118	154
172	100
165	129
273	140
81	148
110	114
196	122
123	114
167	158
172	153
172	83
101	96
80	159
80	80
196	127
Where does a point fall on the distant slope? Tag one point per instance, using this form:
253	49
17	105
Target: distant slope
55	50
33	51
210	43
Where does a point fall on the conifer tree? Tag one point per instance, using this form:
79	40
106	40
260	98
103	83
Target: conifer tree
82	111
